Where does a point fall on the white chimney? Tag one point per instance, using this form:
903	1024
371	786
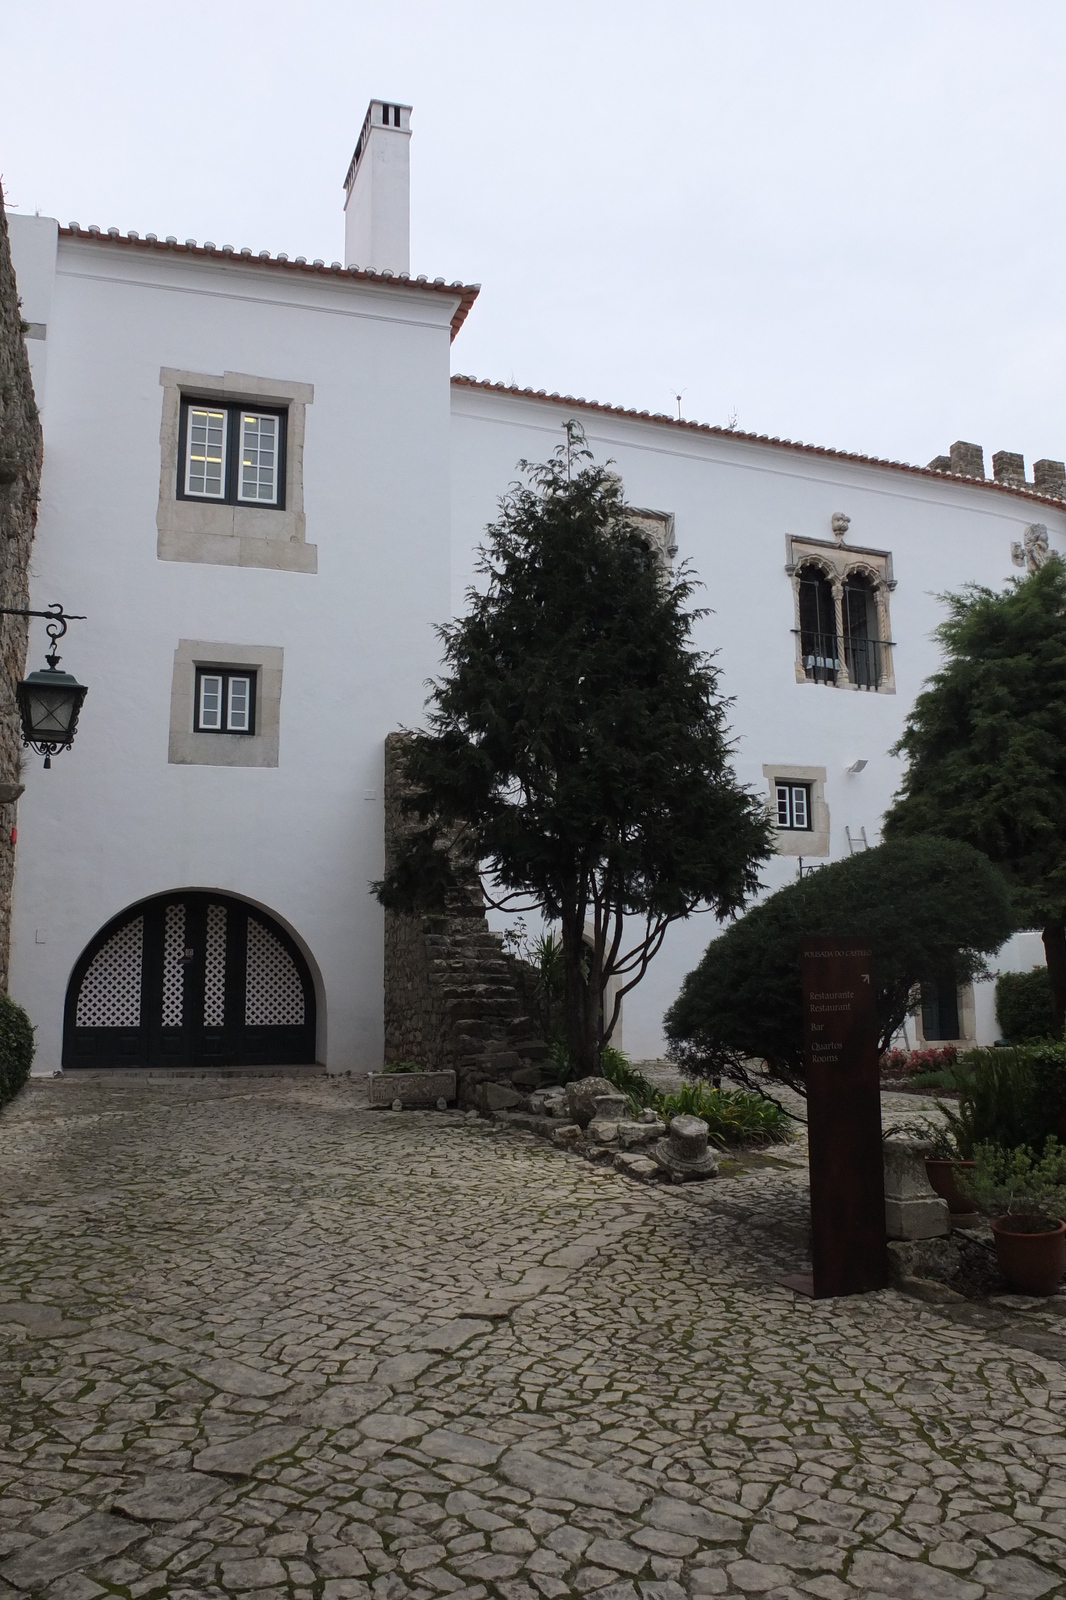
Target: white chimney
377	204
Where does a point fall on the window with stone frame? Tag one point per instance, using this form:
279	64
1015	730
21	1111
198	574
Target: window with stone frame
231	454
231	471
841	614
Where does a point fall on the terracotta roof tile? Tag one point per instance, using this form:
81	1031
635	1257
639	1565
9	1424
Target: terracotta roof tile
463	381
468	292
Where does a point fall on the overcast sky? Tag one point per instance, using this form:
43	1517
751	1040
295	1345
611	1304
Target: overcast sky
839	222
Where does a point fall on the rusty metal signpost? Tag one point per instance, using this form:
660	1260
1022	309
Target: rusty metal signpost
849	1249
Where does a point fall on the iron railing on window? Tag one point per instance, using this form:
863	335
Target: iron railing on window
821	656
826	657
865	660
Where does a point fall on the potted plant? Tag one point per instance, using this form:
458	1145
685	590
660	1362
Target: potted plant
1024	1197
943	1165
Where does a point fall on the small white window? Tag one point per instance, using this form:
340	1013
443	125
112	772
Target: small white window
225	701
793	805
259	457
210	702
206	453
237	711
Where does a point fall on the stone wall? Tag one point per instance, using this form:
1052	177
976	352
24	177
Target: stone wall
450	998
20	477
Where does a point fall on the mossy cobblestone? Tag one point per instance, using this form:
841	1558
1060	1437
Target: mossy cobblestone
257	1340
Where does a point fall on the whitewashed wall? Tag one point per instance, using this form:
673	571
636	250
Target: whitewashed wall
734	502
113	822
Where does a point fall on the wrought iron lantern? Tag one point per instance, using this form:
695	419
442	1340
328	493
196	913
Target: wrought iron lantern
49	701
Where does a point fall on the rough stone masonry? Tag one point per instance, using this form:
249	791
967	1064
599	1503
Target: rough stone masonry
21	452
451	1002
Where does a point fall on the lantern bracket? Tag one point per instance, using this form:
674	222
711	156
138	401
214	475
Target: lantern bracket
56	619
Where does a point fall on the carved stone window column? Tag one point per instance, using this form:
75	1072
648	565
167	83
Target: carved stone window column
838	611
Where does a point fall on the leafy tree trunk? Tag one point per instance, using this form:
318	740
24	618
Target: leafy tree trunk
581	1002
1054	937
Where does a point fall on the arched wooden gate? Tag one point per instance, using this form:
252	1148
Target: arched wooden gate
190	979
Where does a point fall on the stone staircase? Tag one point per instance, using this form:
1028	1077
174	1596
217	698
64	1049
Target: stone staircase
450	998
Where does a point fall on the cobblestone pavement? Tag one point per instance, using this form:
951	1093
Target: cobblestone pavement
256	1340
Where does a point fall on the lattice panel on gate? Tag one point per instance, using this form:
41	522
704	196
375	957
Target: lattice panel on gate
274	995
110	994
173	968
215	968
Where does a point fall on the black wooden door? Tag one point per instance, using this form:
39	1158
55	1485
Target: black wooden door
191	979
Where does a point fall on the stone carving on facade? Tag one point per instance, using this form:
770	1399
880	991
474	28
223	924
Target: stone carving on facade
1032	551
840	523
656	529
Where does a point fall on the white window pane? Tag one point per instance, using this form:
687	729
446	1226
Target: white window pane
210	702
205	452
782	806
259	441
237	709
799	807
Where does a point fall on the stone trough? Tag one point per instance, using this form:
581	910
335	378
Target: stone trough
411	1089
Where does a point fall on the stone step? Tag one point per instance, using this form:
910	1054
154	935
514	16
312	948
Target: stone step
491	1065
504	1009
532	1049
477	991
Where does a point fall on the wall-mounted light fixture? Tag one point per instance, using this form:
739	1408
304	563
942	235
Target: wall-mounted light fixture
49	701
857	766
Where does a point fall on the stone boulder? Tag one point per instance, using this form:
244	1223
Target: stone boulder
631	1135
581	1098
497	1097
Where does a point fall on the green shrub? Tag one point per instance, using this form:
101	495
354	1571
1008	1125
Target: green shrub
733	1116
1030	1189
404	1066
1008	1098
615	1067
16	1048
924	905
1023	1006
932	1080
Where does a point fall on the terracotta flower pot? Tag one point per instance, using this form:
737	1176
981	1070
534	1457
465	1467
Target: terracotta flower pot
941	1175
1032	1263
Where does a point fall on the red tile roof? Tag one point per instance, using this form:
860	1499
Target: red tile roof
463	381
467	292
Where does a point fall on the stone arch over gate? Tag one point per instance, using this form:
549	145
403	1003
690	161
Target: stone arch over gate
194	978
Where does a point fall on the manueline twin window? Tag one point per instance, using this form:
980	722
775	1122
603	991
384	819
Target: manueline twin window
231	454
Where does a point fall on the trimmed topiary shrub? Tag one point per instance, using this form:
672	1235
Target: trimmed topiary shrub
1023	1006
16	1048
925	905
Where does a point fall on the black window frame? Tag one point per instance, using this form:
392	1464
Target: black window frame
941	1022
792	826
226	673
231	466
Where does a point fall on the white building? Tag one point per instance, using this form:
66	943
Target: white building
264	489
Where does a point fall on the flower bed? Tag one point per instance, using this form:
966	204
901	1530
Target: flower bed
919	1071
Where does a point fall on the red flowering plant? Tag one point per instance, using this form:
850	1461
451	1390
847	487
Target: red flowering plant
898	1063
